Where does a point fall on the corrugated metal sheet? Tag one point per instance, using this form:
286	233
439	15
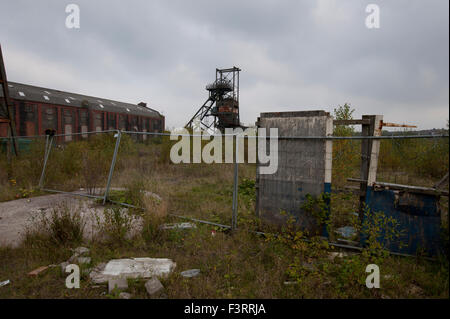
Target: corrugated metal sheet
25	92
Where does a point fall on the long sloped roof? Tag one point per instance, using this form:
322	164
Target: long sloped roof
19	91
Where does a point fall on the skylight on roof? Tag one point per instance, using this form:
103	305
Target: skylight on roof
46	97
21	94
71	98
128	110
101	106
67	100
10	85
47	92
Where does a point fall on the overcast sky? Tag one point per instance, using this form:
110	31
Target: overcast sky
294	55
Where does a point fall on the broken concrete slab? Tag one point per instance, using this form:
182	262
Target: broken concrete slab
79	251
153	286
117	283
133	268
97	270
190	273
80	260
178	226
84	260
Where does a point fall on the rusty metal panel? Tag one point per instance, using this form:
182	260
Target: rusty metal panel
418	215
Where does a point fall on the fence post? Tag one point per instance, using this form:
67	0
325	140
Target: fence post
369	157
111	170
48	147
235	187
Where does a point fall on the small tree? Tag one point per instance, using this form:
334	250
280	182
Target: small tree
345	152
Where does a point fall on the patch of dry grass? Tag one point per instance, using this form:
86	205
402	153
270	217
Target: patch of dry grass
233	264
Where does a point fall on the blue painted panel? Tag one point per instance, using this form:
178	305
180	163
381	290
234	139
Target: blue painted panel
327	192
417	214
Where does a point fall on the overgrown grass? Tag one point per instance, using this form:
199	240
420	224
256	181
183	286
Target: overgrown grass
62	226
237	264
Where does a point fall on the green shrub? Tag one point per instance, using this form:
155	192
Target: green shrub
63	226
115	224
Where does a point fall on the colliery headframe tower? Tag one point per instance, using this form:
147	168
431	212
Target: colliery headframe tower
221	109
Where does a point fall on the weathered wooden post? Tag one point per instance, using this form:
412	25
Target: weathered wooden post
370	148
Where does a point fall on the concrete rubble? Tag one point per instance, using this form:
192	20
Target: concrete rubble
132	268
117	283
79	257
79	251
190	273
80	260
153	286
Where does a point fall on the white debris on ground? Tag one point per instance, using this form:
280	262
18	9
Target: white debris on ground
119	284
178	226
132	268
153	286
79	251
190	273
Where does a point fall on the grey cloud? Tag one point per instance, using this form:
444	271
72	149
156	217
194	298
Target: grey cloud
294	54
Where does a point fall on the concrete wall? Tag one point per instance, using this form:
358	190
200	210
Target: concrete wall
304	166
